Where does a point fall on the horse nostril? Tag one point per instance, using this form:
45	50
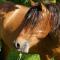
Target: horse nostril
18	45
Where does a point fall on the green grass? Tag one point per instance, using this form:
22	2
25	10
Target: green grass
14	55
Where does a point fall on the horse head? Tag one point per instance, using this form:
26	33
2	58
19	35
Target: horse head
36	25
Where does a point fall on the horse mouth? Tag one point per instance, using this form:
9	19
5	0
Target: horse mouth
23	50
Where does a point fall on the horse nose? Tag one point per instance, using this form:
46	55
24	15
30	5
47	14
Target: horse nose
22	46
17	45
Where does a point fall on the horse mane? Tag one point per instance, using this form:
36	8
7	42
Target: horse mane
55	17
31	18
33	14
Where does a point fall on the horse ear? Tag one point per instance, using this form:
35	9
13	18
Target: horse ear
32	3
43	7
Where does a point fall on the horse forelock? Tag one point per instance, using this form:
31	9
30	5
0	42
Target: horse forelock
31	18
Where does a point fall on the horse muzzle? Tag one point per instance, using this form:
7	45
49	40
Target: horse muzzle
22	46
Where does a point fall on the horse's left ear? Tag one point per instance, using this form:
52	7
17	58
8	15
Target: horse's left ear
43	7
34	3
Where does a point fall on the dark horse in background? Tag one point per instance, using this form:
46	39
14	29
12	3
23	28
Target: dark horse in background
31	29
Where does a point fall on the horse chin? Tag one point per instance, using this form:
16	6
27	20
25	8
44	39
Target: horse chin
23	51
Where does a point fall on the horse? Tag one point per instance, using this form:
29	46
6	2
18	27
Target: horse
28	29
45	23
